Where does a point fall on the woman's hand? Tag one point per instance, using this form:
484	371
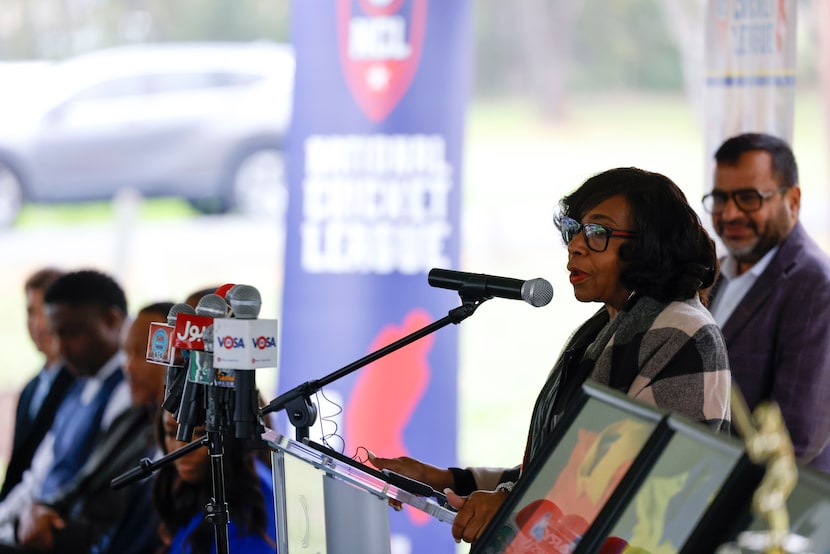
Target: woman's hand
436	477
474	512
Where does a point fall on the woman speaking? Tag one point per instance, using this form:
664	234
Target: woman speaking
638	248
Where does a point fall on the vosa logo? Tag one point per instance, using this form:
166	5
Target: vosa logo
261	343
229	342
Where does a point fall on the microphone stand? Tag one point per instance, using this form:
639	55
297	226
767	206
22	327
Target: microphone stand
217	509
216	422
297	401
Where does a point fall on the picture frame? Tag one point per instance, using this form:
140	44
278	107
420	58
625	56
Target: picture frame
601	447
692	498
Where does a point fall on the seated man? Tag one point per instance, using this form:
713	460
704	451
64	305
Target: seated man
86	310
40	398
88	514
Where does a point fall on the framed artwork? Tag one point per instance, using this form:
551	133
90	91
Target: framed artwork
690	500
604	440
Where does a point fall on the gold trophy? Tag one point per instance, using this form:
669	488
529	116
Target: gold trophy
767	443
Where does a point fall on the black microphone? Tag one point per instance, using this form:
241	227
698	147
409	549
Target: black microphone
192	408
176	376
536	292
245	302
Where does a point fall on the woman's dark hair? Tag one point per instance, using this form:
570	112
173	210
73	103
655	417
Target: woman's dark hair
162	307
176	501
672	257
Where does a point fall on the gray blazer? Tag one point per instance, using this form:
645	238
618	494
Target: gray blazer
778	339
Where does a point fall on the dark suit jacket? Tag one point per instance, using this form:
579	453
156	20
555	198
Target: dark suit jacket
123	520
28	432
778	339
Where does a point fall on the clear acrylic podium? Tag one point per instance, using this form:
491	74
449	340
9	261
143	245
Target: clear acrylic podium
327	503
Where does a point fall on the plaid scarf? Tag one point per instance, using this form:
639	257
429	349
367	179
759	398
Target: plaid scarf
671	355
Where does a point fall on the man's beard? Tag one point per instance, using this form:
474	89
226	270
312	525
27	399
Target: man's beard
762	243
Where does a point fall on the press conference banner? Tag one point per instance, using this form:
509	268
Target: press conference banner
374	203
751	69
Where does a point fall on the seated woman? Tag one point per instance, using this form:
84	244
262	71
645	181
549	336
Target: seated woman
636	246
182	490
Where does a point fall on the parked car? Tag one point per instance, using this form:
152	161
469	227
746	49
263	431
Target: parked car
203	121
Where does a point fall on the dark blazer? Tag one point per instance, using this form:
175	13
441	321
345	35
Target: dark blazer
119	520
778	339
28	432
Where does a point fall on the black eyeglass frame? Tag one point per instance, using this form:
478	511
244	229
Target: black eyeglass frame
568	225
709	200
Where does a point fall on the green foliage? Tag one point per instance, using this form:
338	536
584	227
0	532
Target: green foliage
223	20
603	44
33	29
624	44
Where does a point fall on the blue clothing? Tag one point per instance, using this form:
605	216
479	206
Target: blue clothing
77	427
30	431
43	384
250	543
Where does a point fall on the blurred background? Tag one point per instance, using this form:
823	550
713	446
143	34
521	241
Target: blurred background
562	89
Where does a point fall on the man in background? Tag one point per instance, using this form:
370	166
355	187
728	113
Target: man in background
87	514
42	395
86	311
772	299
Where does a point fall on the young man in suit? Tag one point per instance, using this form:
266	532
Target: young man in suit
86	311
87	514
772	299
40	398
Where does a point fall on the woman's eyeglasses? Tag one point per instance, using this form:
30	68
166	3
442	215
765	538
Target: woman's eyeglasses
596	235
747	200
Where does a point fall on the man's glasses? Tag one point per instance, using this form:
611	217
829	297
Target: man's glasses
596	235
747	200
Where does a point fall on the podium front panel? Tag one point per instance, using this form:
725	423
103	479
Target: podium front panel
305	506
326	504
355	521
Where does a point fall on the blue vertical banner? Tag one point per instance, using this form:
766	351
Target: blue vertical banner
374	203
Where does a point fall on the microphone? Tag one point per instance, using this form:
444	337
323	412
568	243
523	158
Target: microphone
245	302
223	290
192	407
536	292
212	305
176	376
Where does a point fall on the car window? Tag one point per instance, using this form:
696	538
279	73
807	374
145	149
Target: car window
113	88
163	83
176	82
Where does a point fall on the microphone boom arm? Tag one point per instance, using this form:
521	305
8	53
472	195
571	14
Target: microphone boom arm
146	466
297	402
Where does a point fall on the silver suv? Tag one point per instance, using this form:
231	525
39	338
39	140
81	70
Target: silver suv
202	121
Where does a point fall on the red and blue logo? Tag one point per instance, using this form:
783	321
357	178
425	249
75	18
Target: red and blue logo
229	342
261	343
380	44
